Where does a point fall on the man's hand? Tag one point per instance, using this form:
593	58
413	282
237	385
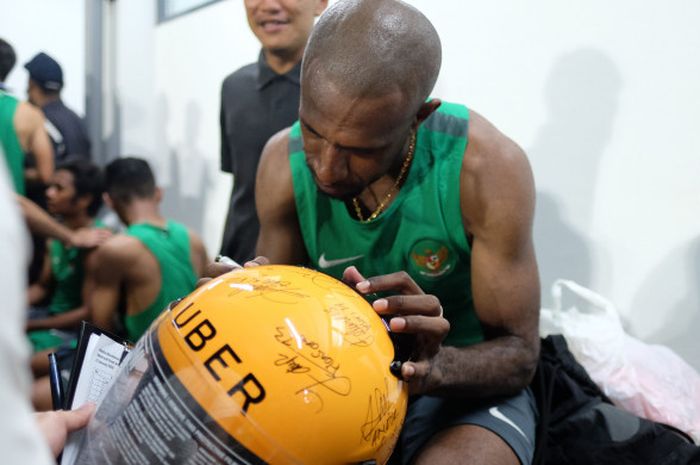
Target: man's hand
413	312
87	238
216	269
56	425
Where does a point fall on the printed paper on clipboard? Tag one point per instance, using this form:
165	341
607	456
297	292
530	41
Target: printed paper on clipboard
99	356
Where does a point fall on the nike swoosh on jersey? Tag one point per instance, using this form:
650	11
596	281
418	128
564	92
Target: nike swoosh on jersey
324	263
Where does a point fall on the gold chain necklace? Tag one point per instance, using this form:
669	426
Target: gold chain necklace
395	187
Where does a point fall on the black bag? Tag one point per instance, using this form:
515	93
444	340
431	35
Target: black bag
580	426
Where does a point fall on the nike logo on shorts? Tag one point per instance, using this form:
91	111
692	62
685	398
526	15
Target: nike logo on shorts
324	263
498	414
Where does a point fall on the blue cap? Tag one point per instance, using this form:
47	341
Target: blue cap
45	71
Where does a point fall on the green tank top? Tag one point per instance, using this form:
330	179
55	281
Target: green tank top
14	155
68	272
421	232
171	248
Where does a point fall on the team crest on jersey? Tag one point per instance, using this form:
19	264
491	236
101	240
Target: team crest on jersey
431	258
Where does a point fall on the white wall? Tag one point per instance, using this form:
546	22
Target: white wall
56	27
169	77
603	96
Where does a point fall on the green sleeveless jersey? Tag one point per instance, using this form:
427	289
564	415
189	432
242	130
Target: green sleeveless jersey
14	155
421	232
171	248
68	272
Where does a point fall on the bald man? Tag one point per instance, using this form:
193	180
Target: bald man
425	202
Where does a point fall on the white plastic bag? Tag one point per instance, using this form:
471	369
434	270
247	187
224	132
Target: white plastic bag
650	381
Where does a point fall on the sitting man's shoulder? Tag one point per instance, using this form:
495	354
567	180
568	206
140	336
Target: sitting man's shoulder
487	144
492	158
275	155
118	250
496	178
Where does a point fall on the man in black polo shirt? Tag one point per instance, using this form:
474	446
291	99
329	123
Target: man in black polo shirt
257	101
65	128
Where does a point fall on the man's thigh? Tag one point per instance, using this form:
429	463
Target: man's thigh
466	445
439	430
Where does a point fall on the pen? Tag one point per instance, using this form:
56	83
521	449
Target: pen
227	261
55	382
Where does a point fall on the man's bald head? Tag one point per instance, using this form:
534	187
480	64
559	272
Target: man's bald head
369	48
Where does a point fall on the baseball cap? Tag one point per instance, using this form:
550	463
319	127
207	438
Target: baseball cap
45	71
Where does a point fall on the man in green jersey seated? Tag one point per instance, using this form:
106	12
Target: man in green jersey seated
434	206
154	262
74	196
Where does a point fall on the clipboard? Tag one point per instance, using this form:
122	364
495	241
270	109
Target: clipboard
98	357
84	357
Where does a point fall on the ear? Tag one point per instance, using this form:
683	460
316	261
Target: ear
158	194
427	109
321	5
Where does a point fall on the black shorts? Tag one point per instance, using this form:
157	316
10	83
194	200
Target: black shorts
513	419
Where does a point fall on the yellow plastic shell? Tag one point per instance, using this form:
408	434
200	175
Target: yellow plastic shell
291	363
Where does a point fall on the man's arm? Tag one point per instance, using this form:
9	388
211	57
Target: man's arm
29	122
66	320
71	318
38	290
225	162
41	223
200	260
497	200
106	271
42	150
497	197
280	238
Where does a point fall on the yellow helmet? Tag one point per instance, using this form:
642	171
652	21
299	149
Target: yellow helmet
274	364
